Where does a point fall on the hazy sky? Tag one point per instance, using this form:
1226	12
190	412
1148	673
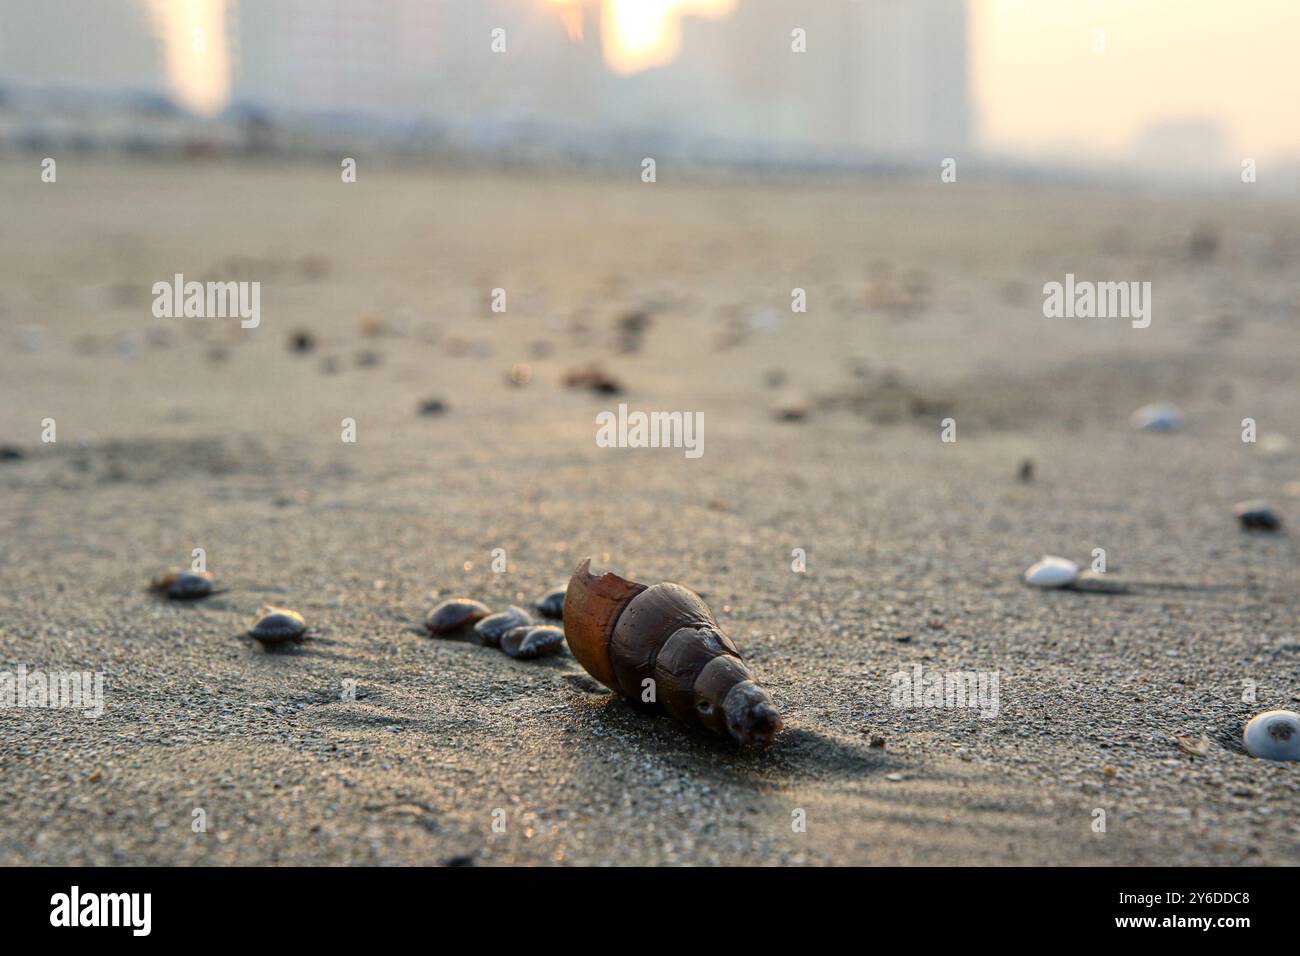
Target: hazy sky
1040	85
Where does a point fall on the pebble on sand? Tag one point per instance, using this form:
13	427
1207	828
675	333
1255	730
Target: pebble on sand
432	406
278	625
1052	572
1158	417
791	408
301	341
595	378
1257	516
1273	735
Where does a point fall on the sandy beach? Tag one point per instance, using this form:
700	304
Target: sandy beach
924	302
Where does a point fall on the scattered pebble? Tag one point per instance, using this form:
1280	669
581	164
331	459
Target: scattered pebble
11	453
528	642
1196	746
182	584
455	613
368	358
1257	516
1052	572
302	341
1273	735
521	374
552	605
1203	244
128	345
314	267
490	629
792	409
595	378
31	338
631	327
1274	446
1158	417
433	406
373	326
1027	470
278	625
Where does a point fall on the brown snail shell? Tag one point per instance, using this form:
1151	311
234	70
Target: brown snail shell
625	633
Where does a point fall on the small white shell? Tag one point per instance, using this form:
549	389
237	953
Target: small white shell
1159	417
1052	573
1273	735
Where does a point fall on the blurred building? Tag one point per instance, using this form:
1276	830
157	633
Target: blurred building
880	77
886	77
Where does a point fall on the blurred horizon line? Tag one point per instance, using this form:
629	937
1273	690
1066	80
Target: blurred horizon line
883	82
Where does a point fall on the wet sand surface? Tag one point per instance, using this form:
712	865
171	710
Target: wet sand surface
924	302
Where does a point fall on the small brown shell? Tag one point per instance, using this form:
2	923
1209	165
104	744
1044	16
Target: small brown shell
552	604
182	584
1257	516
532	640
455	613
490	628
278	625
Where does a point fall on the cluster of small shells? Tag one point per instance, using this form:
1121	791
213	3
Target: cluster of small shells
512	631
274	625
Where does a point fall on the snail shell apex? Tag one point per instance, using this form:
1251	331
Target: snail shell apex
632	637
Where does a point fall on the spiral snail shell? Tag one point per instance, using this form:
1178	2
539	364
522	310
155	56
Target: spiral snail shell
661	648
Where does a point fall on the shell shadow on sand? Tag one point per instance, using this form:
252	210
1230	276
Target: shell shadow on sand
1143	588
796	752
